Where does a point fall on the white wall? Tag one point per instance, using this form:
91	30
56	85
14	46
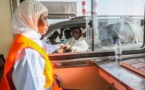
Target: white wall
6	36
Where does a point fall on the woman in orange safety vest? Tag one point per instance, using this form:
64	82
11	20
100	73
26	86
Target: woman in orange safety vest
27	65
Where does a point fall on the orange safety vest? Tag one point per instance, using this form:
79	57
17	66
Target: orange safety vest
20	43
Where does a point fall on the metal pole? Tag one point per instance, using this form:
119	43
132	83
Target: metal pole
92	18
94	23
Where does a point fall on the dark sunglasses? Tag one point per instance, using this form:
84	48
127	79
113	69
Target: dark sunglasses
75	32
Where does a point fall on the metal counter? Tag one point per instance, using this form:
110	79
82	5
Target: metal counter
122	74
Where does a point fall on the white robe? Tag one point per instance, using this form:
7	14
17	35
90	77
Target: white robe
79	45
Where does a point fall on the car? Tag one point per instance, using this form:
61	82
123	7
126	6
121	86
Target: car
105	33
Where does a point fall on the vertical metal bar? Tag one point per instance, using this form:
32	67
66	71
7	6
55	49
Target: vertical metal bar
143	1
92	28
95	35
144	23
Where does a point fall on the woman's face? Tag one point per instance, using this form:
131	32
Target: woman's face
43	23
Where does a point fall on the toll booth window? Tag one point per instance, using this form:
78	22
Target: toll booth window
98	25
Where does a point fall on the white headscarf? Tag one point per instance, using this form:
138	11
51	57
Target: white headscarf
26	16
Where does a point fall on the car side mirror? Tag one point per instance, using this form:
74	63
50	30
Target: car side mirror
142	22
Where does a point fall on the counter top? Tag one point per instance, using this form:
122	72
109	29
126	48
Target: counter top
122	74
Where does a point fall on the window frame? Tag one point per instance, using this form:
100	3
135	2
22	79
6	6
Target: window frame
89	54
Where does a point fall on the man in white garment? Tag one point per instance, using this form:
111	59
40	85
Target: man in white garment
77	43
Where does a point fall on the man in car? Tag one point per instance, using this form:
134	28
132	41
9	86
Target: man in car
77	43
68	36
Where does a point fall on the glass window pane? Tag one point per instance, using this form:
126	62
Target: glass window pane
123	21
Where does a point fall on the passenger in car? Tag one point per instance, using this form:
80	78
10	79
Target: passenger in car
84	34
67	34
53	37
51	45
77	43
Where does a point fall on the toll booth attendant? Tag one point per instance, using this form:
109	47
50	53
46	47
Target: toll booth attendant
27	65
